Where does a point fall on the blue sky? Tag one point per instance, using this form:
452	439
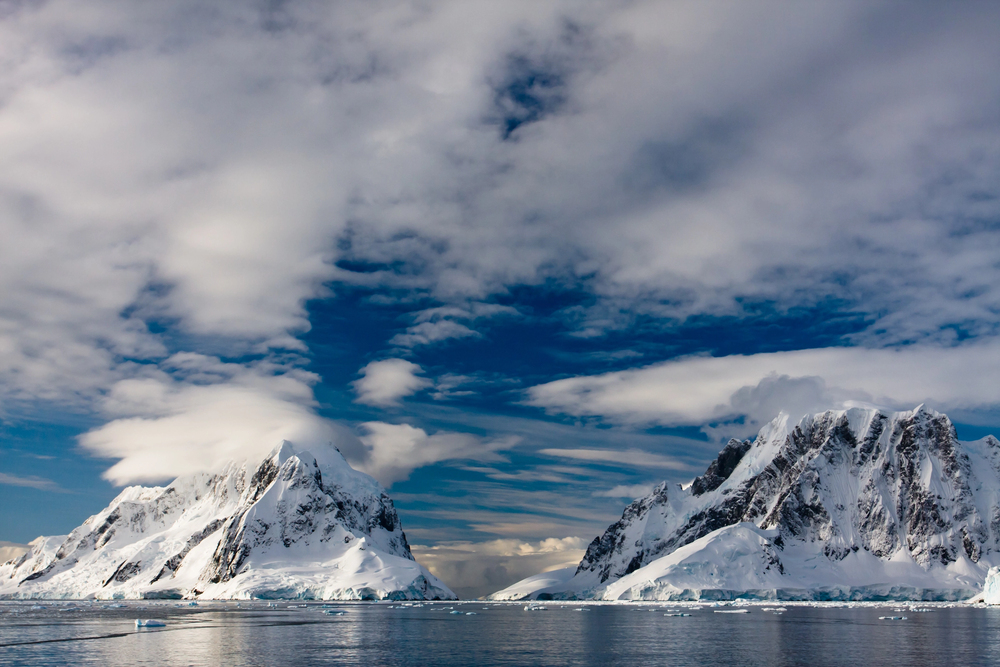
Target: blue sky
520	261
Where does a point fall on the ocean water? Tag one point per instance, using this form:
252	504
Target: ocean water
85	633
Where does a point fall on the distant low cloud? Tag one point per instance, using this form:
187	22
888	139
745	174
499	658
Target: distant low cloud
383	383
476	569
12	550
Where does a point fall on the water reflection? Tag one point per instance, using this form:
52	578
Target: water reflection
258	634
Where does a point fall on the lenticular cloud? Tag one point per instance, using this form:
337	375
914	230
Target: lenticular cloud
697	390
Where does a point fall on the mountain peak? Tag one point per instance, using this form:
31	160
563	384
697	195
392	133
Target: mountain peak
281	452
856	503
289	526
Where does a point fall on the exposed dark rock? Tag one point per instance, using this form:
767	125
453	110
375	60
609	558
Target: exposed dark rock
912	481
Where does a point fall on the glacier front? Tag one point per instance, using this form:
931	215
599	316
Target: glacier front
295	525
844	505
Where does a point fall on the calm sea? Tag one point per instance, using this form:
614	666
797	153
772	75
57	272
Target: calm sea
493	634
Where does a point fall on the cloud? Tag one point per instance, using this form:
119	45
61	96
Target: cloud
165	425
476	569
450	385
431	332
635	458
699	390
554	474
383	383
437	324
395	450
626	491
779	171
31	481
12	550
180	181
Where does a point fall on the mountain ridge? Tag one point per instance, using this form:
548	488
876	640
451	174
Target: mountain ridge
294	525
844	504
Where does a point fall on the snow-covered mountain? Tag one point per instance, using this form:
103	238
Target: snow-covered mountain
292	526
855	504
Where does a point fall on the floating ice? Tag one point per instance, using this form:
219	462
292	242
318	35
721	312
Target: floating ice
148	623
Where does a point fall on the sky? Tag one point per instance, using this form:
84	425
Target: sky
519	261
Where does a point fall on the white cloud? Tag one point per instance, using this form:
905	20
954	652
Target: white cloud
635	458
30	481
698	390
162	427
395	450
437	324
384	382
431	332
476	569
167	166
626	491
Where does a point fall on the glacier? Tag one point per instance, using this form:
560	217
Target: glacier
855	504
991	587
295	525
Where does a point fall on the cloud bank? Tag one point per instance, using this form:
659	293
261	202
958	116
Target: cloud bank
476	569
699	390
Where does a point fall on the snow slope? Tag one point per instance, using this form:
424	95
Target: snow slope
554	579
855	504
293	526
